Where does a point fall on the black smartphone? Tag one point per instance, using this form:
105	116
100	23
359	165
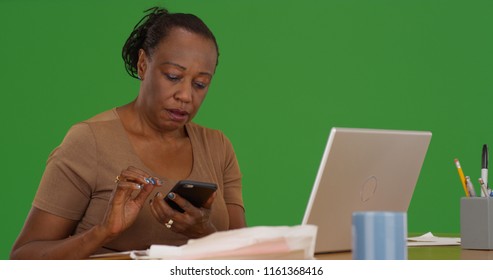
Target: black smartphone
195	192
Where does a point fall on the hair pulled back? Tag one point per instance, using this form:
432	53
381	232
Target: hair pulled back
153	28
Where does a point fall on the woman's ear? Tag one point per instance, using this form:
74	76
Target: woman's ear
142	64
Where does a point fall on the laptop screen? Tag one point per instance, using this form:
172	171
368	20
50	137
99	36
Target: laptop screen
362	170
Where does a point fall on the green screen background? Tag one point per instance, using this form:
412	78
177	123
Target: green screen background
288	72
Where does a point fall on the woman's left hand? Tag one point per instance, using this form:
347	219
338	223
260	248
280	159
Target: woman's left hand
193	223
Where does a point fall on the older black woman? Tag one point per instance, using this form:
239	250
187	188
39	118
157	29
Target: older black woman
103	186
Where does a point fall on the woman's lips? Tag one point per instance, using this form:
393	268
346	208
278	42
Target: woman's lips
178	115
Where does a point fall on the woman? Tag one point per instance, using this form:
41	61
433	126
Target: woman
149	144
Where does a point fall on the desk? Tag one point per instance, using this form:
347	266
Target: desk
414	253
425	253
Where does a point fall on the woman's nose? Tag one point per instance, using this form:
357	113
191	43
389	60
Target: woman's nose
184	92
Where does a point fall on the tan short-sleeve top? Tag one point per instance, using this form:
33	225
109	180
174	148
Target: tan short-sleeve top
80	173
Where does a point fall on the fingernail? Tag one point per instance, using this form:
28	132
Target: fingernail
150	180
159	195
171	196
160	182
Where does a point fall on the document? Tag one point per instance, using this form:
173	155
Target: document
262	242
428	239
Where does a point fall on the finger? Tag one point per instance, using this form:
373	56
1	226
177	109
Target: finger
163	205
132	186
144	193
156	212
183	203
123	192
158	181
161	210
208	203
129	175
138	175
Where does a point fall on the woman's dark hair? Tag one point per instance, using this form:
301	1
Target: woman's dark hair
153	28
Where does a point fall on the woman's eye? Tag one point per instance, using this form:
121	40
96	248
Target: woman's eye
172	77
200	85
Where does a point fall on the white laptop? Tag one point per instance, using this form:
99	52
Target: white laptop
362	170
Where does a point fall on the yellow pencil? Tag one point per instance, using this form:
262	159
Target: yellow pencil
461	175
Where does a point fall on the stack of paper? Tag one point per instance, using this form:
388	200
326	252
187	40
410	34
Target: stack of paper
281	242
428	239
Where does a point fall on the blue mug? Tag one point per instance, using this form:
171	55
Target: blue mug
379	235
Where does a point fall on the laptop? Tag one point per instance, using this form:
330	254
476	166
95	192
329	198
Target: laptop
362	170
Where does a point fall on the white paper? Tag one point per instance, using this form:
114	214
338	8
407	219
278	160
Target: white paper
296	242
428	239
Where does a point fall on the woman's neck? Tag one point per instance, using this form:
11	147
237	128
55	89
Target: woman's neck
137	123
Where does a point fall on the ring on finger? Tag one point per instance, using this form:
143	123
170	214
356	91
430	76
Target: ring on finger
169	223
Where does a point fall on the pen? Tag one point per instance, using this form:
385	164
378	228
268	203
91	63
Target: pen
484	167
461	176
483	187
470	187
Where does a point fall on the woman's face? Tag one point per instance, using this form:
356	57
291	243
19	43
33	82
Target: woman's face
176	77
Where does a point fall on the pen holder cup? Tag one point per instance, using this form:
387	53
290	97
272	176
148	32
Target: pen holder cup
476	223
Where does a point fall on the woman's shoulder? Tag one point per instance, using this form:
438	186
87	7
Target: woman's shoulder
109	115
101	121
101	124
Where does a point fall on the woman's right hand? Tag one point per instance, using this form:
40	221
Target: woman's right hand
46	236
128	198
